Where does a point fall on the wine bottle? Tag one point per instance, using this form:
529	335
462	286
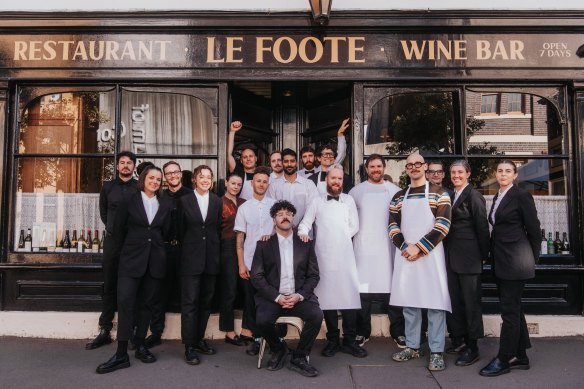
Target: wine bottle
21	241
66	242
558	243
544	246
73	248
51	241
59	247
88	242
81	243
102	241
95	244
28	241
565	245
550	244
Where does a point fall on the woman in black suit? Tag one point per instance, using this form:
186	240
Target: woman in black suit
199	229
515	245
467	246
138	232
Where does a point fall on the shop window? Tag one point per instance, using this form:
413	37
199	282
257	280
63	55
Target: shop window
490	104
402	123
515	103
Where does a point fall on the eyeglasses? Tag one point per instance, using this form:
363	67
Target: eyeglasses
434	172
417	165
284	214
328	155
174	173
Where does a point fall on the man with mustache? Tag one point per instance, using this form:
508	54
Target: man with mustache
285	273
307	152
113	195
335	217
419	220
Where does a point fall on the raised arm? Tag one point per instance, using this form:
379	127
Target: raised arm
342	141
235	126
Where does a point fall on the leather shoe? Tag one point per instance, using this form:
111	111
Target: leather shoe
246	339
204	348
114	364
144	355
519	363
101	339
330	349
301	365
495	368
191	356
468	357
254	349
278	358
152	340
354	349
236	340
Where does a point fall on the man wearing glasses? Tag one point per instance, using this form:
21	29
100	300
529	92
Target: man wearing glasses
326	157
170	286
435	174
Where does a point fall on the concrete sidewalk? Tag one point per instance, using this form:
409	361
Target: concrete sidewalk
42	363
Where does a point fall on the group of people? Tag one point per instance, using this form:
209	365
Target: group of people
306	243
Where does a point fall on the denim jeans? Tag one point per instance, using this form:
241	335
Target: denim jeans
436	328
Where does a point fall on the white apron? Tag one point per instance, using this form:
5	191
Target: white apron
338	287
422	283
246	189
321	186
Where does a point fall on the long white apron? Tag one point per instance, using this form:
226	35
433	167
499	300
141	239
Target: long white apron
422	283
372	245
246	189
338	287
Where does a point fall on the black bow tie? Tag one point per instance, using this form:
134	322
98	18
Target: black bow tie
329	197
309	171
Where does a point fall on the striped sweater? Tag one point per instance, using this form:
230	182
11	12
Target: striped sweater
440	206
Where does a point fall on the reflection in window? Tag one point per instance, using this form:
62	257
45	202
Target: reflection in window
489	104
186	164
402	123
168	124
69	123
537	131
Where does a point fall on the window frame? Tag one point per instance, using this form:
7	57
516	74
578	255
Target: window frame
497	104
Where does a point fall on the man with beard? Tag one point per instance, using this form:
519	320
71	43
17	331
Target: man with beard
276	165
419	220
170	285
307	152
247	167
252	222
373	248
336	220
326	157
113	195
294	188
285	273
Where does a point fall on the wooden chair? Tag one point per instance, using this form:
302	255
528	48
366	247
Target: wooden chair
289	320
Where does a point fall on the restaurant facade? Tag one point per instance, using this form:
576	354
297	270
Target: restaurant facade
77	88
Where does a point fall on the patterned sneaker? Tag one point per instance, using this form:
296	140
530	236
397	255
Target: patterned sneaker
406	354
436	362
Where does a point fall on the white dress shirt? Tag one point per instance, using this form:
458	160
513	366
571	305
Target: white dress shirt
300	193
203	203
287	285
458	192
150	206
253	218
498	202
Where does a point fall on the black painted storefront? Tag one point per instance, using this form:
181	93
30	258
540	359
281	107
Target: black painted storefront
291	82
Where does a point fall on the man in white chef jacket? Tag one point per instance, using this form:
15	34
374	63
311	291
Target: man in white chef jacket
335	217
418	222
373	249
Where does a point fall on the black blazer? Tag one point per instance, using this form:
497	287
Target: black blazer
515	239
467	243
265	269
141	245
347	181
200	239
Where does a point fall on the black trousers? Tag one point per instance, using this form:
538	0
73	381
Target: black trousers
248	320
135	294
110	265
229	281
395	314
466	319
169	290
196	297
514	334
331	319
267	313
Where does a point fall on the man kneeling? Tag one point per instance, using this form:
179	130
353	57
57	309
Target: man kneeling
284	273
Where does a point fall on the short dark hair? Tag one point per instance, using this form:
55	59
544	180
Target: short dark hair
143	165
199	169
263	170
305	149
231	175
170	163
282	204
508	162
142	178
289	152
326	146
435	162
373	157
128	154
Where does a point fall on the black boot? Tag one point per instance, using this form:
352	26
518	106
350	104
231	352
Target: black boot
101	339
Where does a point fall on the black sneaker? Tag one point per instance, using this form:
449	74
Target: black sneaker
301	365
100	340
361	340
400	341
468	357
354	349
278	359
330	349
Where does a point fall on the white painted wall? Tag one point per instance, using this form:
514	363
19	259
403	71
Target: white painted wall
283	5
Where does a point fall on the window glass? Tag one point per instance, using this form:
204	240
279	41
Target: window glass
167	124
69	123
535	129
187	166
399	124
489	104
